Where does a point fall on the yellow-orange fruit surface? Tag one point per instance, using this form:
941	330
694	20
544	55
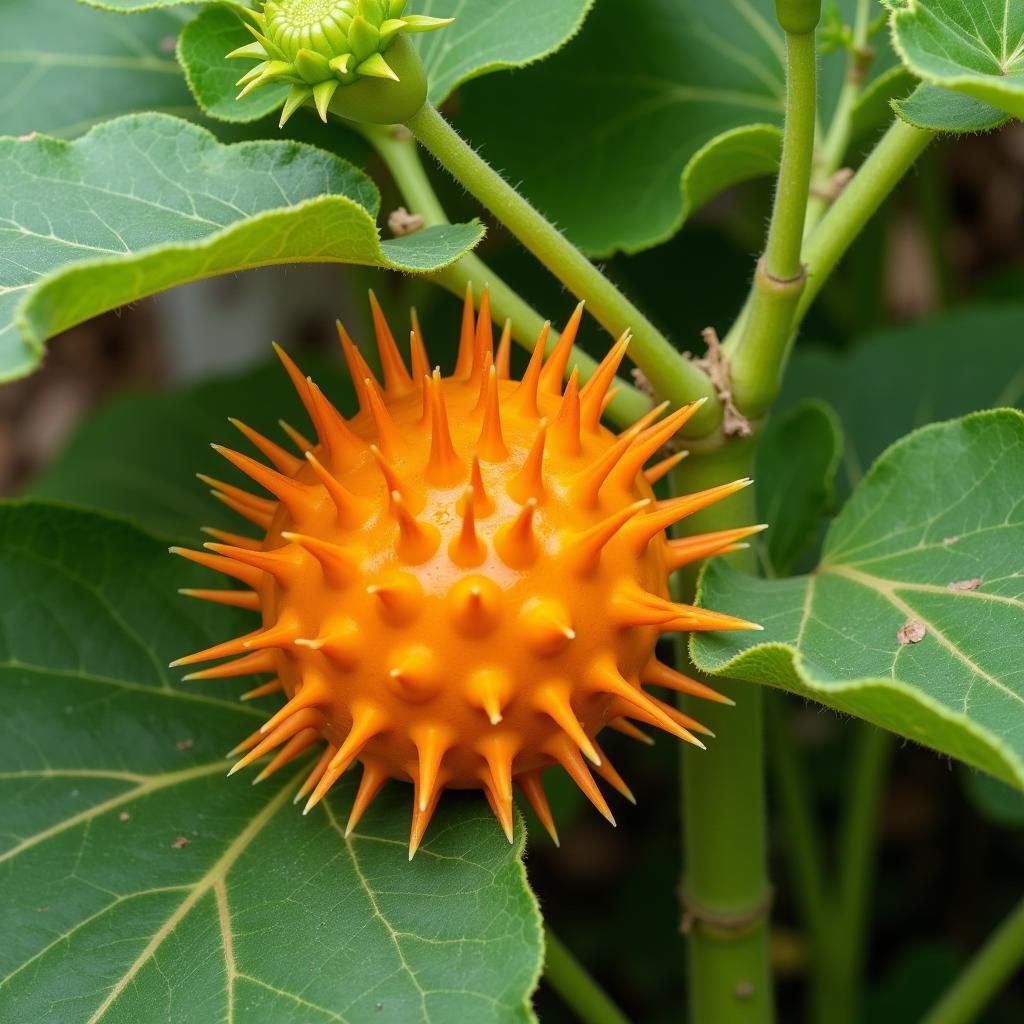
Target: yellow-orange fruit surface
462	585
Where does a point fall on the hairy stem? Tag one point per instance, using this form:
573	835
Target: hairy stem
399	152
727	895
858	841
758	358
672	376
837	141
564	973
993	965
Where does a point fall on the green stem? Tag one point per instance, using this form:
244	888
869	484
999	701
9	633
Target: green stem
399	152
993	965
858	840
806	858
888	162
564	973
758	358
727	893
837	141
671	376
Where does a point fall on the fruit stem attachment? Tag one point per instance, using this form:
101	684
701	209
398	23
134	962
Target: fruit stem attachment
727	895
398	149
780	278
670	375
580	992
993	965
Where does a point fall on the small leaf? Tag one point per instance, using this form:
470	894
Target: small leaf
139	884
974	47
148	202
941	110
941	506
795	470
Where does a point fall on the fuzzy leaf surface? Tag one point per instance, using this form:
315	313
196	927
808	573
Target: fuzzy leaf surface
974	47
64	67
942	110
795	470
148	202
653	110
138	884
914	616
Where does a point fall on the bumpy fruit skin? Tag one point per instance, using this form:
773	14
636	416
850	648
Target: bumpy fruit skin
462	585
352	57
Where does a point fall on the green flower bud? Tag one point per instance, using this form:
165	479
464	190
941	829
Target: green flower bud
348	56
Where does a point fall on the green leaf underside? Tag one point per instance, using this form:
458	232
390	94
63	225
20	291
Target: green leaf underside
64	67
107	764
148	202
943	506
975	47
108	463
941	110
934	370
653	110
796	465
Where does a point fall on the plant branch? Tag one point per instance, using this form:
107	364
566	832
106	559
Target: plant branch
837	141
779	281
727	895
399	152
993	965
670	374
580	992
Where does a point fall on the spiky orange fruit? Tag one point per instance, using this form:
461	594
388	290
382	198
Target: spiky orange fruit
462	585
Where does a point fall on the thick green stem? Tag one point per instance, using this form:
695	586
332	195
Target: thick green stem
758	358
888	162
670	375
399	151
994	964
564	973
837	141
858	841
727	895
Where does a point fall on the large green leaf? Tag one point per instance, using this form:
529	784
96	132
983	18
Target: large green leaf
914	618
652	111
485	37
975	47
138	884
147	202
108	463
903	377
64	67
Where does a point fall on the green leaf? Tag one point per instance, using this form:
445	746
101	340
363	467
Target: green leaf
485	37
914	617
940	110
903	377
993	799
108	463
974	47
795	469
138	884
148	202
653	110
64	67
